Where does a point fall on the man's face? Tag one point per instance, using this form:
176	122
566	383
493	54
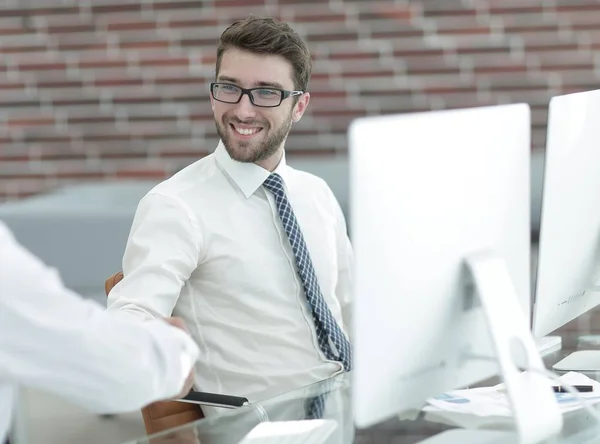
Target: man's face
251	133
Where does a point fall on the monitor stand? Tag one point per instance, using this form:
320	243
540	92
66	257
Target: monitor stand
536	413
584	361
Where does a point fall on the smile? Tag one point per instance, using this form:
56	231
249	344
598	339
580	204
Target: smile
246	131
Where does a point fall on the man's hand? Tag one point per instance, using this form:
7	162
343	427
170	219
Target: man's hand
177	322
189	382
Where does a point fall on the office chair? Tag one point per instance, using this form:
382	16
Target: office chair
163	415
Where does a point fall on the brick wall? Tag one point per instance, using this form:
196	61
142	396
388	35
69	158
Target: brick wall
111	89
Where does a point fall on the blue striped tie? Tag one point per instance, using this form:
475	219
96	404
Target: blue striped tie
328	330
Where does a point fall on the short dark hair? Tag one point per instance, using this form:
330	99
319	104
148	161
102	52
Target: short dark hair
265	35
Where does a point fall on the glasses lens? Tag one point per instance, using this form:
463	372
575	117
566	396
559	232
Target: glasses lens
226	93
266	97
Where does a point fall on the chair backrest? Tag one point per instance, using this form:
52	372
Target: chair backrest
112	281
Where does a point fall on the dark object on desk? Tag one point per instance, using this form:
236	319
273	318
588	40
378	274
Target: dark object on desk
215	399
163	415
579	388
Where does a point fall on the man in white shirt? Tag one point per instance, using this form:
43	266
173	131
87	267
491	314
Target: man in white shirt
250	252
52	339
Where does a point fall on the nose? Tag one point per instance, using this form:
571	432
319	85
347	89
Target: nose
244	109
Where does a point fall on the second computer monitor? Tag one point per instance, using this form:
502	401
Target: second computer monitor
569	243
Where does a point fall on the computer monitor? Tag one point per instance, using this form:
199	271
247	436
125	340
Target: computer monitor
440	224
569	243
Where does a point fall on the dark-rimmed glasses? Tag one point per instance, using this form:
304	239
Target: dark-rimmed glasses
261	96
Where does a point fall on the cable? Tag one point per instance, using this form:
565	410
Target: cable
569	388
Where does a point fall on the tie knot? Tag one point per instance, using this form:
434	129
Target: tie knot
274	183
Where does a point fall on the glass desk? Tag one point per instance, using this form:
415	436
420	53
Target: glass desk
413	427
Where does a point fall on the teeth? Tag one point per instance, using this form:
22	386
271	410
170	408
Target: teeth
246	131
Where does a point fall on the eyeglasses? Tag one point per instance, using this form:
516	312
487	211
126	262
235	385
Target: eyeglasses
263	97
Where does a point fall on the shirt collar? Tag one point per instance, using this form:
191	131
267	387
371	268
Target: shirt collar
249	177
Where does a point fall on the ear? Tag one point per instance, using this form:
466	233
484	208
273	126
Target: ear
212	102
300	107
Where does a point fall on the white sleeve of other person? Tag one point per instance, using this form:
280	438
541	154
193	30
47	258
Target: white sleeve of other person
52	339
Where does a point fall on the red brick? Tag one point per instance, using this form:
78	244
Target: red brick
49	136
29	12
12	85
13	31
47	66
57	151
426	65
376	72
58	101
479	31
109	9
22	49
85	46
21	102
564	65
152	44
102	63
327	37
532	28
59	84
20	123
517	8
355	55
572	6
312	17
400	13
74	120
397	32
137	25
64	29
164	61
122	81
190	22
442	90
124	100
501	68
175	4
447	8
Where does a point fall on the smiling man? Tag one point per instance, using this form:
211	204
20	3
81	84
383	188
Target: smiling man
250	252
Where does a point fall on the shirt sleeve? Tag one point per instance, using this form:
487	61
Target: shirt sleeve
52	339
160	256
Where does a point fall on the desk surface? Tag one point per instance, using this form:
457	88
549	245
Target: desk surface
233	425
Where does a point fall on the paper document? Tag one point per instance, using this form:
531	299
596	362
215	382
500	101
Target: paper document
493	401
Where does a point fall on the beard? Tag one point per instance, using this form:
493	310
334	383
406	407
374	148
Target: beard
253	151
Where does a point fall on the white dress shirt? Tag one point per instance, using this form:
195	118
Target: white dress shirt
207	245
52	339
